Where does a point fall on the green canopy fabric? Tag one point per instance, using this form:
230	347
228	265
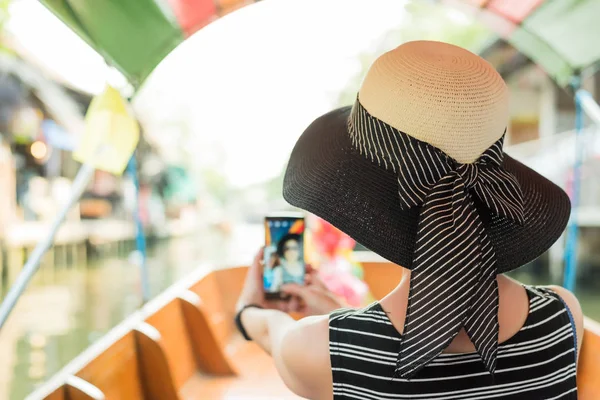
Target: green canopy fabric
558	35
134	36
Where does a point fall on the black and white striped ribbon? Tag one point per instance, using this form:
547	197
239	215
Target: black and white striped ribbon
453	279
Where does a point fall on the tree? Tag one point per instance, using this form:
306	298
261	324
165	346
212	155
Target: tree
425	21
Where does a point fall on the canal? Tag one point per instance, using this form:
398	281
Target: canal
66	309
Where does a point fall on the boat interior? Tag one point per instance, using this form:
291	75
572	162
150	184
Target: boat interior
184	345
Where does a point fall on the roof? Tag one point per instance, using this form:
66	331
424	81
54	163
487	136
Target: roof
556	34
58	103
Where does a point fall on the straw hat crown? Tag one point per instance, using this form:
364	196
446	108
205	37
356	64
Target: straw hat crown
440	94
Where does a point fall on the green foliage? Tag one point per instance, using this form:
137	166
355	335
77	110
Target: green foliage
425	21
4	14
216	184
4	17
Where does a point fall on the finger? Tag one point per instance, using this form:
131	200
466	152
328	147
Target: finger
256	267
315	280
294	289
280	305
285	305
309	274
308	279
294	304
320	284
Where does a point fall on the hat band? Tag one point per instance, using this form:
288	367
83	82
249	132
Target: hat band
453	280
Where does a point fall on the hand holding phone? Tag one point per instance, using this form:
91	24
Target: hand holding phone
284	253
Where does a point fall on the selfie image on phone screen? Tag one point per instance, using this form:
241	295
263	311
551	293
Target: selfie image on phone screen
284	253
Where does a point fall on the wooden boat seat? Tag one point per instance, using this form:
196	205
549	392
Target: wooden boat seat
588	367
115	371
189	350
184	345
75	389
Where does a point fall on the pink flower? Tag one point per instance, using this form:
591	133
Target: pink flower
338	278
329	240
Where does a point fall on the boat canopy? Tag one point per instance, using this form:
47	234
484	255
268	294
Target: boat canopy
135	36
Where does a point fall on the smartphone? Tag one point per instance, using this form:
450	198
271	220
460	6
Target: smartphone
284	252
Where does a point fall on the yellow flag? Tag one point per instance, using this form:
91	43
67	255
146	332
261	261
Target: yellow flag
111	133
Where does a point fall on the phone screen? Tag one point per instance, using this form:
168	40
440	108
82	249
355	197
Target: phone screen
284	253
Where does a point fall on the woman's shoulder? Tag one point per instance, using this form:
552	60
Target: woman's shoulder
341	313
570	300
305	356
559	293
372	310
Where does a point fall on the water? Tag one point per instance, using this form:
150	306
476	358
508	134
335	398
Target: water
66	309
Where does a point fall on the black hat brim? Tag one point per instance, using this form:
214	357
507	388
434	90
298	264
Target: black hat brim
328	177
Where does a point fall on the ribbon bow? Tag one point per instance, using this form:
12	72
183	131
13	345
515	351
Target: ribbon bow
453	280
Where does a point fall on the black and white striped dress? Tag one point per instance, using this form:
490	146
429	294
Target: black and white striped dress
539	362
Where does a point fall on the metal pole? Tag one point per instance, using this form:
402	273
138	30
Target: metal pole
584	102
140	238
84	175
589	105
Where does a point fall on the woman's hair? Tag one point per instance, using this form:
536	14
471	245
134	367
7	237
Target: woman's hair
284	240
274	261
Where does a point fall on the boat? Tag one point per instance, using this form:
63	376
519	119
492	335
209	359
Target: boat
184	345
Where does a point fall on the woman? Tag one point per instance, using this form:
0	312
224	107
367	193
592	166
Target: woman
415	171
290	256
285	264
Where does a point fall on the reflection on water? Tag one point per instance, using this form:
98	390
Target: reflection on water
66	309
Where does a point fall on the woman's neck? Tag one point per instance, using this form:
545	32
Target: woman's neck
512	313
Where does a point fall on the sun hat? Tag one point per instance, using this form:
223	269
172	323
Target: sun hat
415	171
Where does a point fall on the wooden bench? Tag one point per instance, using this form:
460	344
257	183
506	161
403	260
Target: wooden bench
75	389
191	351
184	345
115	371
588	372
109	369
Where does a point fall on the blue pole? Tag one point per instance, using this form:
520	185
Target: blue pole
570	276
140	238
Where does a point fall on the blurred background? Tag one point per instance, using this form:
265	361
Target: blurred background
219	117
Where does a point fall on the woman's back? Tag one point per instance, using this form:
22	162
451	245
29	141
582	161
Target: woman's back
415	171
537	362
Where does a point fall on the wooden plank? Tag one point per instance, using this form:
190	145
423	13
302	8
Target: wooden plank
58	394
213	304
209	353
73	388
175	341
381	277
588	368
136	364
156	375
78	389
115	371
230	282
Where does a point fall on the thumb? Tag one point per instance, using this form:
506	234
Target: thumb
256	267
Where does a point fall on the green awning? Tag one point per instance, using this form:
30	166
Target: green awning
558	35
134	36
